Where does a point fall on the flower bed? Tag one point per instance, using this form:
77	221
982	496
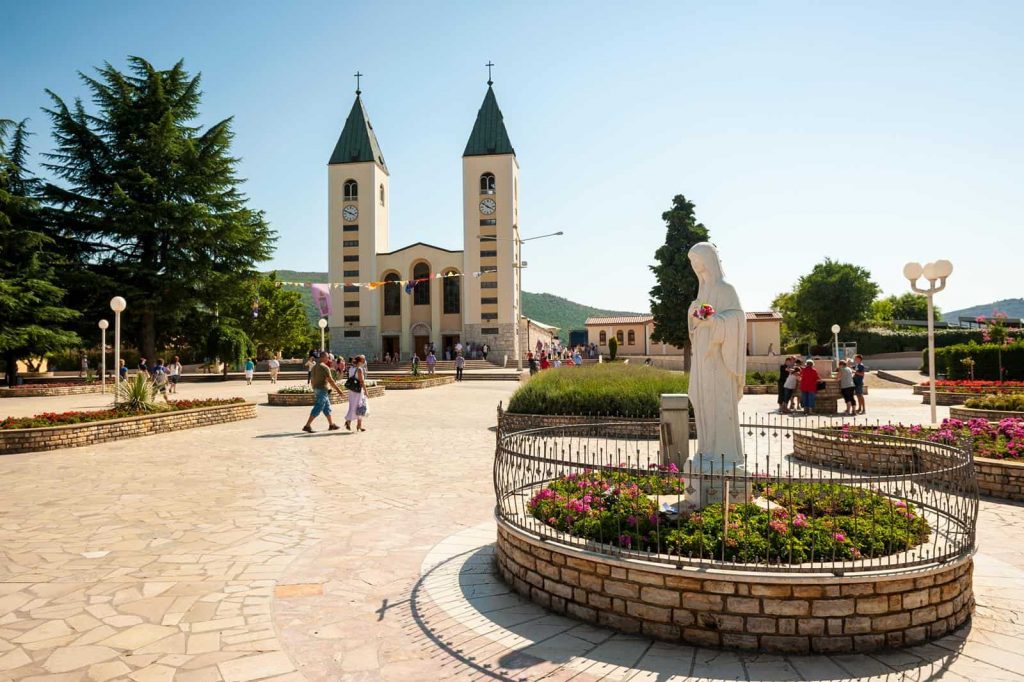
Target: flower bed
998	403
53	431
294	396
413	382
975	387
1002	440
54	389
801	521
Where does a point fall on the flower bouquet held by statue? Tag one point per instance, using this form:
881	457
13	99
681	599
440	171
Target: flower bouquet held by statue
703	311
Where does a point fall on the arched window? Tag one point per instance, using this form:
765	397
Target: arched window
351	190
392	295
631	336
602	338
452	295
421	294
382	194
618	336
487	183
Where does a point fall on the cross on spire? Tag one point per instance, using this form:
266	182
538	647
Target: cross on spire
489	64
358	76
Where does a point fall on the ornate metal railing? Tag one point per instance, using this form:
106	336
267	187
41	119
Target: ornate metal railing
934	480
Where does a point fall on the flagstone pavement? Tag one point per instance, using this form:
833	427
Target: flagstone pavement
249	551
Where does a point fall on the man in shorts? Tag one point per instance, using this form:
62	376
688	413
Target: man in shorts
322	382
858	381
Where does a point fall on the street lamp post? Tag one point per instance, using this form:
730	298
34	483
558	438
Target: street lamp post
117	304
518	264
835	350
323	325
103	355
936	274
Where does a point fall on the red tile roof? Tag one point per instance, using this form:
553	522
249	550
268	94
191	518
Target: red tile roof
764	317
624	319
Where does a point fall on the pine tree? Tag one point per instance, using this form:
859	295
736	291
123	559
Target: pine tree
151	209
676	283
31	315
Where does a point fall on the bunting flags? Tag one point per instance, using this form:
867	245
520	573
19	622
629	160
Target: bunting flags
408	284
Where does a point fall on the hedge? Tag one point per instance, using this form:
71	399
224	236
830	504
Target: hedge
986	361
875	341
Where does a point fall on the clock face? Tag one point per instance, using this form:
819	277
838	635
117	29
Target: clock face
350	213
487	206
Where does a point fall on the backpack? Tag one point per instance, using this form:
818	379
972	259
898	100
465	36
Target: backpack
352	384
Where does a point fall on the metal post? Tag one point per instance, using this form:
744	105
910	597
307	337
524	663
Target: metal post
931	353
117	355
103	360
517	347
321	339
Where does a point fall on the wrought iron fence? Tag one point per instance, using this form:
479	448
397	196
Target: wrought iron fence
843	502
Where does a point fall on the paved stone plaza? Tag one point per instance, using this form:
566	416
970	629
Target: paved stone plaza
250	551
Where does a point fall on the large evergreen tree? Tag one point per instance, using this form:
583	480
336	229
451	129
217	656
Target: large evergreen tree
31	314
676	281
151	209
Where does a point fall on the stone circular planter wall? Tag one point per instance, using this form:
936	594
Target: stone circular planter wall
623	427
430	382
760	389
42	390
739	610
996	477
306	399
13	441
965	413
944	397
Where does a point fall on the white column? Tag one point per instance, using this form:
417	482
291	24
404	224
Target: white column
405	342
435	314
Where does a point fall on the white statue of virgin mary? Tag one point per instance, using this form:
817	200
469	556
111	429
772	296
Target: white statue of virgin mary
719	365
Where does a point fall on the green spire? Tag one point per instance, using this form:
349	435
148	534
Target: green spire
357	142
489	135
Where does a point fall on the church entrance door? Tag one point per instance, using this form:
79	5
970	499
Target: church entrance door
419	345
390	346
448	342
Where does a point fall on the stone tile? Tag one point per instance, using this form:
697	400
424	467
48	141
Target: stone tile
75	657
138	636
101	672
256	667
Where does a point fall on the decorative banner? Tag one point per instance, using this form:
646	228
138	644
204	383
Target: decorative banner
322	298
321	290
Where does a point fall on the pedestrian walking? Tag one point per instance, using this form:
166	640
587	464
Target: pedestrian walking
143	367
460	364
174	371
431	361
846	387
250	369
809	386
274	365
356	386
84	368
532	361
785	369
159	374
859	370
322	382
123	371
485	350
310	363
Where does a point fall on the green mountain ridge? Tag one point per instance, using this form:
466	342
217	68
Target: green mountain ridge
547	308
1013	307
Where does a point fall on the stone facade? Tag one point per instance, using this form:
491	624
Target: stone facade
13	441
367	343
773	613
430	382
42	390
306	399
965	413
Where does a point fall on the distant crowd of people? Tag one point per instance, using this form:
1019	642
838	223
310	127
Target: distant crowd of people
799	383
553	354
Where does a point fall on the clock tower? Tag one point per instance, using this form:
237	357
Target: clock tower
357	223
490	190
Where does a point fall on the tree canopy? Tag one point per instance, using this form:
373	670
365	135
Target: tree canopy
274	318
908	306
832	293
676	282
32	317
150	208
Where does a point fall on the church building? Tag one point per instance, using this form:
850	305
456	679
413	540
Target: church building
476	298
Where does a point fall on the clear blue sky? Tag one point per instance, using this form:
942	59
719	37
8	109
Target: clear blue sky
873	132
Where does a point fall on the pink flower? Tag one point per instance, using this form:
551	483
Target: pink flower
838	537
625	541
800	521
778	526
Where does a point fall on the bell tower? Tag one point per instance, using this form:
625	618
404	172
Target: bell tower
357	224
490	190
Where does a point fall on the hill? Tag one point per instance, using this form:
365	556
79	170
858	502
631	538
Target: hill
547	308
561	312
1013	307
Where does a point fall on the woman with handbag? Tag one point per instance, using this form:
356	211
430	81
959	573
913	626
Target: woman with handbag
810	384
356	386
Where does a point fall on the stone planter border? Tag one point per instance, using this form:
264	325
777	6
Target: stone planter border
738	610
306	399
13	441
944	397
617	427
42	390
429	382
964	413
996	477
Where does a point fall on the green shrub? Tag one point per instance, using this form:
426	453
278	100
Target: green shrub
137	394
761	378
618	390
1006	403
949	361
613	347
